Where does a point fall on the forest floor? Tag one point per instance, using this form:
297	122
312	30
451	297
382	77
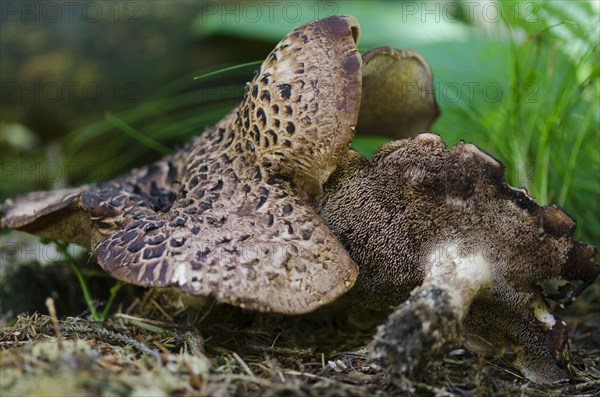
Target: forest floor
152	345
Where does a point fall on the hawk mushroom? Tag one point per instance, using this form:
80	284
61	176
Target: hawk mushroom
270	211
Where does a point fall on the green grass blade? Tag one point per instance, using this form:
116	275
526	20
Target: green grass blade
227	69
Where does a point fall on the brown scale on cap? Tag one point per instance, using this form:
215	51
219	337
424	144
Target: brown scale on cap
235	214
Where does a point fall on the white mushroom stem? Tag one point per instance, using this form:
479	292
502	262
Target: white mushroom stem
427	326
461	276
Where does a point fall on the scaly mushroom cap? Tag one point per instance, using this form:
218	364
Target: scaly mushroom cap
442	228
232	214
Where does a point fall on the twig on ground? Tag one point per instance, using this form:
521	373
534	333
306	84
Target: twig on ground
243	364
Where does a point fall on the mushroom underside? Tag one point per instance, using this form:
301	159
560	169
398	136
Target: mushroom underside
463	256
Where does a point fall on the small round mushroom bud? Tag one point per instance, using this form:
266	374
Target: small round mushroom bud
398	98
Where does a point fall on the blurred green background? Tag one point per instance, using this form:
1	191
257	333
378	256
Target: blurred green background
92	89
